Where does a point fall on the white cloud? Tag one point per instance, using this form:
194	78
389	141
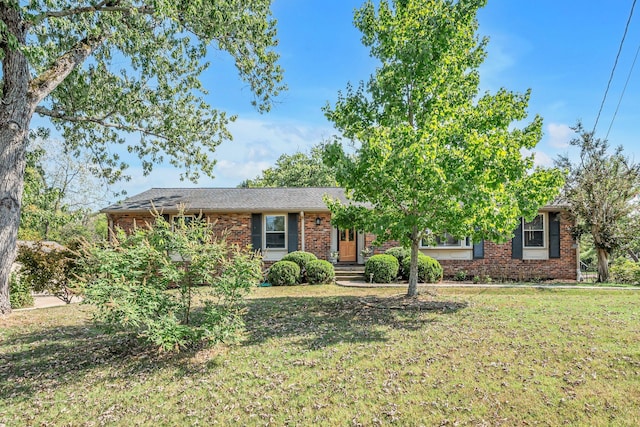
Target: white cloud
542	159
240	171
559	135
256	145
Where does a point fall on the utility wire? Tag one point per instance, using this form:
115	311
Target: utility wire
622	94
624	35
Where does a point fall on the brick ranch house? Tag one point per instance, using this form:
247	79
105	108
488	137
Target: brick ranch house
282	220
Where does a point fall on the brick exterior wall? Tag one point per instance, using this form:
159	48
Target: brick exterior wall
317	238
497	262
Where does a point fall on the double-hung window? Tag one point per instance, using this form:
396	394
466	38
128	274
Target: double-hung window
275	231
534	233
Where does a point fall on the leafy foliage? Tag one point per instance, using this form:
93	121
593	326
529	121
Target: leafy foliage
625	271
320	272
128	283
19	293
123	73
399	252
302	259
296	170
429	269
431	152
600	190
59	194
284	273
384	268
49	267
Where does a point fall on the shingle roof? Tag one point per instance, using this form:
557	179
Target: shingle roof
230	199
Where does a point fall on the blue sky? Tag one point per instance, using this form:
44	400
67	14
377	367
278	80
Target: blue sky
563	50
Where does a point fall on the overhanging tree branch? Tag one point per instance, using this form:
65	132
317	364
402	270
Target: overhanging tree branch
45	83
97	120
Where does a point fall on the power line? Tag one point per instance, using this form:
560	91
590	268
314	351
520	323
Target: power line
622	94
624	35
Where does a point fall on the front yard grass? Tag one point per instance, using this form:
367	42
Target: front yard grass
327	355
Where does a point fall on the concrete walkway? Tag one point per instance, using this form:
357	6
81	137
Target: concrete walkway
45	301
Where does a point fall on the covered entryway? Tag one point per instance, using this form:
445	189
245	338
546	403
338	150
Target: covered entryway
347	245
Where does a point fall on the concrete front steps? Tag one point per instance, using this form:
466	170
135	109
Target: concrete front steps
349	272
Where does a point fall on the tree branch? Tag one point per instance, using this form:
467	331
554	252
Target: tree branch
46	82
97	120
104	6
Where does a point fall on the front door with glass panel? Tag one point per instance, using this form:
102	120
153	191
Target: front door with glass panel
347	245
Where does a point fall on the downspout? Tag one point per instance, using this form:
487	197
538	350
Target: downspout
578	271
302	230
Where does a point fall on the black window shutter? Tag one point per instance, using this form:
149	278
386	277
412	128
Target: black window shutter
256	231
292	231
554	235
478	250
516	242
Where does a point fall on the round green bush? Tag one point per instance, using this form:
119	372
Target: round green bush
625	271
383	267
399	253
284	273
429	269
320	272
301	258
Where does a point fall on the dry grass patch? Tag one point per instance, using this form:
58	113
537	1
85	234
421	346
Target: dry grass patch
326	355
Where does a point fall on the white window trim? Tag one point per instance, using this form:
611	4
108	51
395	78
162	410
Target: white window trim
545	232
463	245
264	232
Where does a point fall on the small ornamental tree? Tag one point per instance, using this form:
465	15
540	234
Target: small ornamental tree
430	151
601	191
49	267
128	282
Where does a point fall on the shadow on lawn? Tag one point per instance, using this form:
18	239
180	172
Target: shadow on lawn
47	358
319	322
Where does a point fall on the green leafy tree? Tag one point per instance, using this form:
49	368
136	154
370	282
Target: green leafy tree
129	283
296	170
601	190
123	72
432	155
49	267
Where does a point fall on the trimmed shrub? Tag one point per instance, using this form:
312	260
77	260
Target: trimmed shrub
399	253
19	292
284	273
301	258
320	272
625	271
429	269
383	267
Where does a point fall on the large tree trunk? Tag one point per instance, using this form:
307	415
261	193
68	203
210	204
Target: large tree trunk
603	265
413	269
15	116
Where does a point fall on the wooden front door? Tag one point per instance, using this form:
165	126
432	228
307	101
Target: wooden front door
347	245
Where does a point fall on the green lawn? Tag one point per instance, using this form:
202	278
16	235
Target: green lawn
327	355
